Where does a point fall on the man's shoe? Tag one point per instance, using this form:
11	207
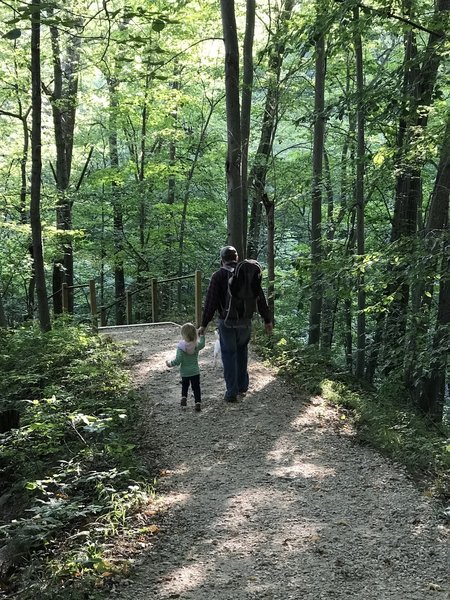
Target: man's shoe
230	398
198	406
183	402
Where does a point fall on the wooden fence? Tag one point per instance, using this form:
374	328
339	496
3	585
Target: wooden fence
100	314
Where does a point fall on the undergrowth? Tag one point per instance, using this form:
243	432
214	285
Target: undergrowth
383	418
68	476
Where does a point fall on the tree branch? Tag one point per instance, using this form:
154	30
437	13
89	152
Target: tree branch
391	15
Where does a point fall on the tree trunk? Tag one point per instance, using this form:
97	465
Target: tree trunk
359	197
247	88
431	388
432	398
270	214
3	319
119	275
235	225
316	206
260	168
36	168
329	300
63	102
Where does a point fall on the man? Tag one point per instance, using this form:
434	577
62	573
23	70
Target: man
233	340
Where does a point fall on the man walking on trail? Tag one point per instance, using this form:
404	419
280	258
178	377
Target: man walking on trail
234	338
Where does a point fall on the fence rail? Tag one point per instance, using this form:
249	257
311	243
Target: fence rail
153	285
100	314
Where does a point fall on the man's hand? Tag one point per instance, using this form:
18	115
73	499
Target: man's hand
268	327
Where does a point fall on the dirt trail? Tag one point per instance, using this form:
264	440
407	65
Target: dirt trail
271	498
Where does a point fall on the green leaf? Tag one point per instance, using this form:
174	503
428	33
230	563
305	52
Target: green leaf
14	34
158	25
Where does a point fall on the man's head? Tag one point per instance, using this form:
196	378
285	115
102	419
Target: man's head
228	254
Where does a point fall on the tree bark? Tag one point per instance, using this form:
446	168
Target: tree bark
269	205
432	384
119	275
260	168
63	102
359	197
432	397
315	314
247	89
235	225
36	168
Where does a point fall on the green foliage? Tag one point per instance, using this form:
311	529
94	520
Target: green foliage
70	465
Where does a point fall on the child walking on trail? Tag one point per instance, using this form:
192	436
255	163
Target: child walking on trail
187	357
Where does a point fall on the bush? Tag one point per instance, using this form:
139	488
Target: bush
70	465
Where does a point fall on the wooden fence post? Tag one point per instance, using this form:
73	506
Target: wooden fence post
198	297
154	300
65	298
93	303
129	304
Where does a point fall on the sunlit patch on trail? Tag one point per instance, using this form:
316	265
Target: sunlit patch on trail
183	579
173	500
308	470
287	460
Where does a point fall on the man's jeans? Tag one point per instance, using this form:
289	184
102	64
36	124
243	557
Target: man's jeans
234	348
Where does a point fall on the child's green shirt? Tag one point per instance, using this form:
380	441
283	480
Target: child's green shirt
188	362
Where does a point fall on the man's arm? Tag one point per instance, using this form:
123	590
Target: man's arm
264	311
211	303
201	342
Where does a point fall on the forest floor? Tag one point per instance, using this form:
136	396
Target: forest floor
272	497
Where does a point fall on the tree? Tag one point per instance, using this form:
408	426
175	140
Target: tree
316	193
64	102
35	216
247	90
234	154
359	198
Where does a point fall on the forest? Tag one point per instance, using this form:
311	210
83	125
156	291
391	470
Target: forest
140	137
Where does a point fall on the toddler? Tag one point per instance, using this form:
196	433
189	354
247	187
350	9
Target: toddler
187	357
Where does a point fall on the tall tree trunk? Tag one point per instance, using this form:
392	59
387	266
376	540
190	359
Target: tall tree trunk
359	196
247	88
330	299
235	211
260	167
316	206
269	205
269	126
36	168
432	397
3	319
63	102
431	388
175	85
119	275
348	308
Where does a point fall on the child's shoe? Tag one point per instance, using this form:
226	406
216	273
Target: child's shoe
183	402
198	407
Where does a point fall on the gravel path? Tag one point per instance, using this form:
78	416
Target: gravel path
271	498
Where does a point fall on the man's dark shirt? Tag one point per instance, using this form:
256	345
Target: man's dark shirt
217	294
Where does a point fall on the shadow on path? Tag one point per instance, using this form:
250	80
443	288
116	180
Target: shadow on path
271	498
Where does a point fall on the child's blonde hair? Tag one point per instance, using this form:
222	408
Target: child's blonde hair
189	332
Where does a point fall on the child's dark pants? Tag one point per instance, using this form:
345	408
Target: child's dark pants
194	380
